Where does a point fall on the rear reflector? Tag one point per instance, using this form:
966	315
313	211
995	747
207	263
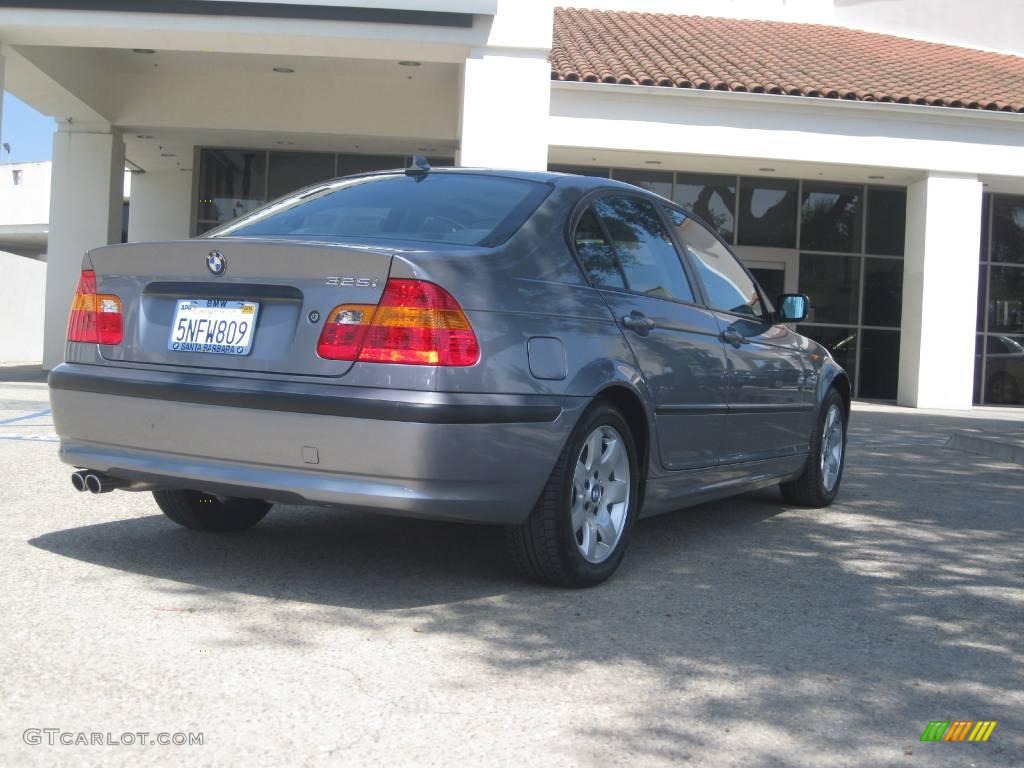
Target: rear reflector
416	323
95	318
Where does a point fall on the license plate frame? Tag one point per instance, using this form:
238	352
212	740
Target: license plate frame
222	320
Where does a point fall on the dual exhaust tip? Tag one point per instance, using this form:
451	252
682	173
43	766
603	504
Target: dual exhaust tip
94	482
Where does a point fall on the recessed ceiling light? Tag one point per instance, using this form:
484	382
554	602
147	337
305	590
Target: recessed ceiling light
167	154
652	162
284	70
767	170
876	177
146	51
409	63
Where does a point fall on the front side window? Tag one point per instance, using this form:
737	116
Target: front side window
643	258
437	208
729	288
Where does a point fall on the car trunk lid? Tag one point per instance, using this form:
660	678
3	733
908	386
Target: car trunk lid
286	288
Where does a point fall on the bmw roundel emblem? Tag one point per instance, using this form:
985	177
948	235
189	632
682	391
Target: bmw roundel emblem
216	263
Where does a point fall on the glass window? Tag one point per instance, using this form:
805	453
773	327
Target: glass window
833	283
879	364
290	171
580	170
1008	229
645	253
986	207
768	212
982	280
887	221
231	183
711	198
1004	370
883	292
441	207
729	288
596	253
840	342
1006	299
350	164
658	182
830	217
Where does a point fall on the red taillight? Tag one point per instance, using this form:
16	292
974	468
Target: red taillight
95	318
415	323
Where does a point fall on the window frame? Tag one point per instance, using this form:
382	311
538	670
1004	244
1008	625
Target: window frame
769	317
584	204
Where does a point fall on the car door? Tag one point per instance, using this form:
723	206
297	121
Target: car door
629	256
771	386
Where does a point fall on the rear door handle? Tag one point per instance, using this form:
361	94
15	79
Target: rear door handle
734	337
638	322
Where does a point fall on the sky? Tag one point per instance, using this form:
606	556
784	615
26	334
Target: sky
29	133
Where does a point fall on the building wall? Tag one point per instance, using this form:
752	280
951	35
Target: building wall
24	193
22	293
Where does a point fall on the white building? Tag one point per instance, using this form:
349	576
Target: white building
863	169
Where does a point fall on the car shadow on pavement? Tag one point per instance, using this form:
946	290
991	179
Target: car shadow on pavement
338	558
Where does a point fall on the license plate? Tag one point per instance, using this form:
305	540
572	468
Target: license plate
218	326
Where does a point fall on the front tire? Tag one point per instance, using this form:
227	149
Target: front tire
579	529
205	512
818	486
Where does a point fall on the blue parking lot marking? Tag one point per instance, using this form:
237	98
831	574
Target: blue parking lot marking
35	415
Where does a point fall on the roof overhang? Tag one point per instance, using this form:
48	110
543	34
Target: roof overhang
806	133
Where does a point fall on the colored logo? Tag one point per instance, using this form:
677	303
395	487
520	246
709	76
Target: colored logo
959	730
216	263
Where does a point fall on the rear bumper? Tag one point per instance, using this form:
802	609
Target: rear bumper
471	457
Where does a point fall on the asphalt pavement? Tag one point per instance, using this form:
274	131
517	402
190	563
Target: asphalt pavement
742	632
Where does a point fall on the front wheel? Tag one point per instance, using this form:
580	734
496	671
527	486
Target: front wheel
577	533
205	512
818	486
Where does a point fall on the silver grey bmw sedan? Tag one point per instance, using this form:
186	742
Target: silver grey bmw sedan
555	354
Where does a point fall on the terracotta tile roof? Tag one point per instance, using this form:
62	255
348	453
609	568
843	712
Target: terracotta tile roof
779	57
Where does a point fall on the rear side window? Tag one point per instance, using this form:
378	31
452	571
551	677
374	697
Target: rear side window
436	208
640	257
728	286
596	253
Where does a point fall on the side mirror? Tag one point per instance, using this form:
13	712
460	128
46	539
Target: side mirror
792	307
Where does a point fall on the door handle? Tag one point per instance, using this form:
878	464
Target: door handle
638	322
734	337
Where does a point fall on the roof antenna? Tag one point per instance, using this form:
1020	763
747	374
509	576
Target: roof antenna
420	167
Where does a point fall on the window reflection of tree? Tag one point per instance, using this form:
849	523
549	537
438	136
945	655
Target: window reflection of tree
830	221
722	222
775	223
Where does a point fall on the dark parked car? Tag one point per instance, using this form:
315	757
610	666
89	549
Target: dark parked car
552	353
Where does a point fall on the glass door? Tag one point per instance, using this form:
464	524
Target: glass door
775	269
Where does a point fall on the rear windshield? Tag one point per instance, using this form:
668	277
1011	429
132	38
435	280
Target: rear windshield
435	208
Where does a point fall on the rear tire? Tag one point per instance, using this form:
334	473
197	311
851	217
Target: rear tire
579	529
215	514
818	486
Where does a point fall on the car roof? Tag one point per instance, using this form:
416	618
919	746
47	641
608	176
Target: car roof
548	177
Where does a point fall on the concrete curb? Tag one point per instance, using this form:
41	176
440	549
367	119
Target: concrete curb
995	447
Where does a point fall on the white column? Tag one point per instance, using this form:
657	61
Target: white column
505	102
86	195
506	90
160	206
940	292
1	91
